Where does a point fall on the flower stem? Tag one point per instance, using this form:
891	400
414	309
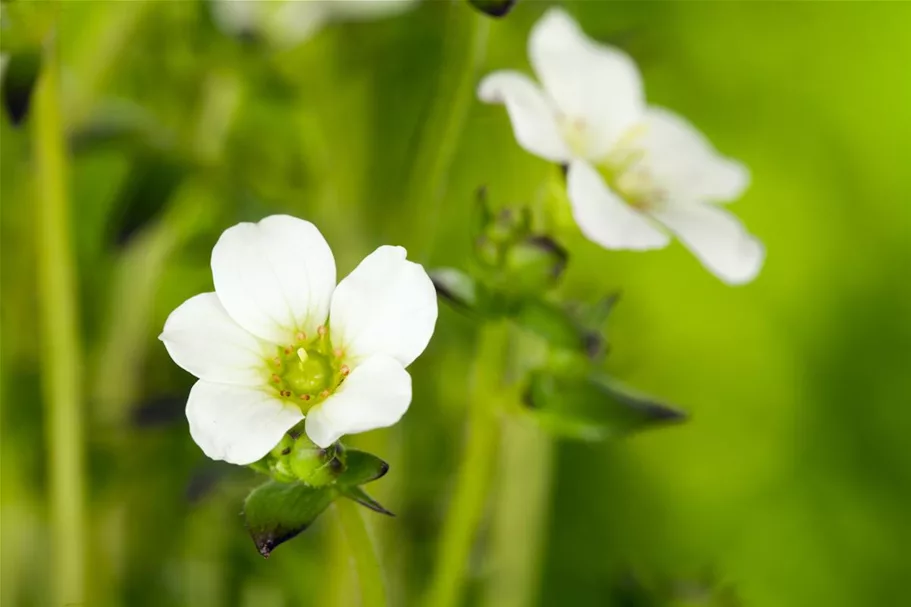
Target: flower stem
473	478
367	564
519	516
446	119
58	318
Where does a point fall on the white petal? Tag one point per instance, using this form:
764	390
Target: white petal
274	277
202	339
685	163
387	305
533	117
717	238
238	424
375	395
604	217
590	82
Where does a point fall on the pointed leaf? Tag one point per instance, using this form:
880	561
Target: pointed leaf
593	407
361	467
360	496
276	512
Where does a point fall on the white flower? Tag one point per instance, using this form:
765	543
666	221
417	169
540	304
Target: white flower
278	340
287	22
636	172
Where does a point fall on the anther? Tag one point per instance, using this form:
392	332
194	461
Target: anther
305	397
277	361
301	336
276	378
288	350
324	394
321	330
345	370
338	352
285	393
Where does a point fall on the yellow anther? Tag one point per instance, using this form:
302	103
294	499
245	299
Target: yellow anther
289	350
338	352
276	378
321	330
285	393
301	336
345	370
277	361
305	397
324	394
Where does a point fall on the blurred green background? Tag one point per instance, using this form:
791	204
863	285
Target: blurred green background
790	486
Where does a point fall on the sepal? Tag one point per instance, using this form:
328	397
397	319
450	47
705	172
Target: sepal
275	512
592	406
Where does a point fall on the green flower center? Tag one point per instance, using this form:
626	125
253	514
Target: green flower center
308	371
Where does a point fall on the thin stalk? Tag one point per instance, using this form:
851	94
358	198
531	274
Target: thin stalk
473	478
58	319
520	512
447	117
366	563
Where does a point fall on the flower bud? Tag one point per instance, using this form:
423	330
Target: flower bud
534	264
314	466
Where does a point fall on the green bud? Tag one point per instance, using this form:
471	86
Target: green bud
494	8
550	322
533	265
314	466
456	287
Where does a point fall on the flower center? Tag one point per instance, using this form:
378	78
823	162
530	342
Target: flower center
308	371
627	172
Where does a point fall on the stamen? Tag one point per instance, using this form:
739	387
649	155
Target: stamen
285	393
345	370
321	330
305	397
288	350
277	361
276	378
301	336
338	352
302	354
324	394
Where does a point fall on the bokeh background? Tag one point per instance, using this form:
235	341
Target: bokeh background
790	486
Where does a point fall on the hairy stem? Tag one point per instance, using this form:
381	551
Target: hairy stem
366	561
58	320
473	478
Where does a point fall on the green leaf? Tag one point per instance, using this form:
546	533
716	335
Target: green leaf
360	496
276	512
593	407
361	467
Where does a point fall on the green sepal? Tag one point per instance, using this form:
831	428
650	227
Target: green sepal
551	323
360	496
592	407
494	8
360	468
276	512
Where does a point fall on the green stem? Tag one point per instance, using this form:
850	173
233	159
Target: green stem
519	514
367	565
440	136
473	478
61	380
